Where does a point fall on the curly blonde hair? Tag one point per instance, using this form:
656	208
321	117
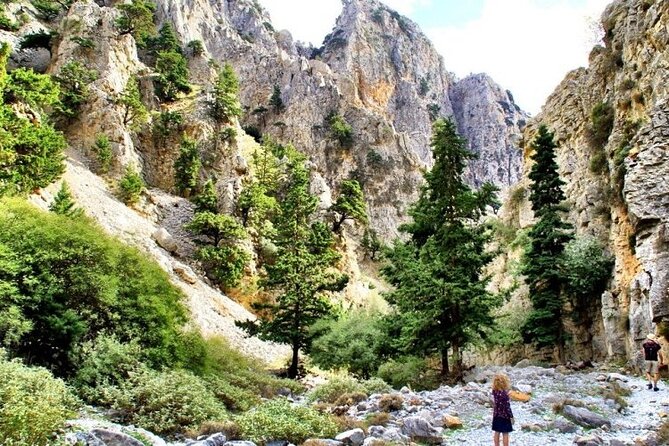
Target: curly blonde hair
501	382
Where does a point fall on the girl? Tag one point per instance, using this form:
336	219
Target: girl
502	417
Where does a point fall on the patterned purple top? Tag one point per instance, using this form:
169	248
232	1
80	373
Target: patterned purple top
502	407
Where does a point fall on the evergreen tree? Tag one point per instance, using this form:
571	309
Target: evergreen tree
440	297
371	243
224	104
63	203
187	167
207	200
275	100
103	152
135	113
173	76
136	18
73	79
222	259
131	186
350	204
165	41
257	202
301	272
548	237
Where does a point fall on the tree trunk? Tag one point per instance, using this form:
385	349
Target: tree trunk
457	362
292	370
444	362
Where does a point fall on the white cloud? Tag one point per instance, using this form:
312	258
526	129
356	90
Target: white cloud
307	20
525	47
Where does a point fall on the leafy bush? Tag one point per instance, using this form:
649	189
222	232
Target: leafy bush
223	264
84	42
33	404
598	163
278	419
586	267
103	153
48	9
241	371
168	402
167	123
103	363
131	186
82	283
73	79
602	118
39	39
375	385
351	343
196	48
340	129
332	390
409	371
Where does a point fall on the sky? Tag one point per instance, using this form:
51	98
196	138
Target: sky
526	46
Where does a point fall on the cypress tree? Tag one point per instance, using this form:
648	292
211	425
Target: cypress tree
302	271
63	203
440	293
548	237
350	204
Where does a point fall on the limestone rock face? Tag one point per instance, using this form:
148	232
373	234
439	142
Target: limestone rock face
617	188
377	71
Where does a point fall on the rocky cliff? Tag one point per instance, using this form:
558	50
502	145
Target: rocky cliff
611	123
376	70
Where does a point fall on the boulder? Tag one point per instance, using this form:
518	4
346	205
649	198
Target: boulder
165	240
185	273
421	430
452	422
353	437
113	438
389	434
523	363
217	439
239	443
563	426
589	440
584	417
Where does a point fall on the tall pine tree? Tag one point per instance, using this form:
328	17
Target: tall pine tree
439	286
302	272
541	263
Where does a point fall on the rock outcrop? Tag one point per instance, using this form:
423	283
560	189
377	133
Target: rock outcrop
617	184
377	71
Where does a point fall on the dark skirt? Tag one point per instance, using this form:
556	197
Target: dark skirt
502	425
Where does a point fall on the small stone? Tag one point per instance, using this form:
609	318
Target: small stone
185	273
617	377
165	240
353	437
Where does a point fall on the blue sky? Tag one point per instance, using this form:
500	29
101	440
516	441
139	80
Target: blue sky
527	46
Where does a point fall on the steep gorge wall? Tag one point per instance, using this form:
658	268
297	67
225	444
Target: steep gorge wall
378	71
618	191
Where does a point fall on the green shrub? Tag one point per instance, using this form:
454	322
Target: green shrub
136	18
84	42
82	283
6	23
351	343
49	10
234	398
340	129
168	402
275	100
103	363
349	399
196	48
335	388
375	385
103	153
167	123
131	186
409	371
278	419
39	39
598	163
241	371
64	204
602	118
33	404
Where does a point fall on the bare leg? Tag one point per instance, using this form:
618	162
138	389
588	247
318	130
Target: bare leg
505	439
656	378
495	438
